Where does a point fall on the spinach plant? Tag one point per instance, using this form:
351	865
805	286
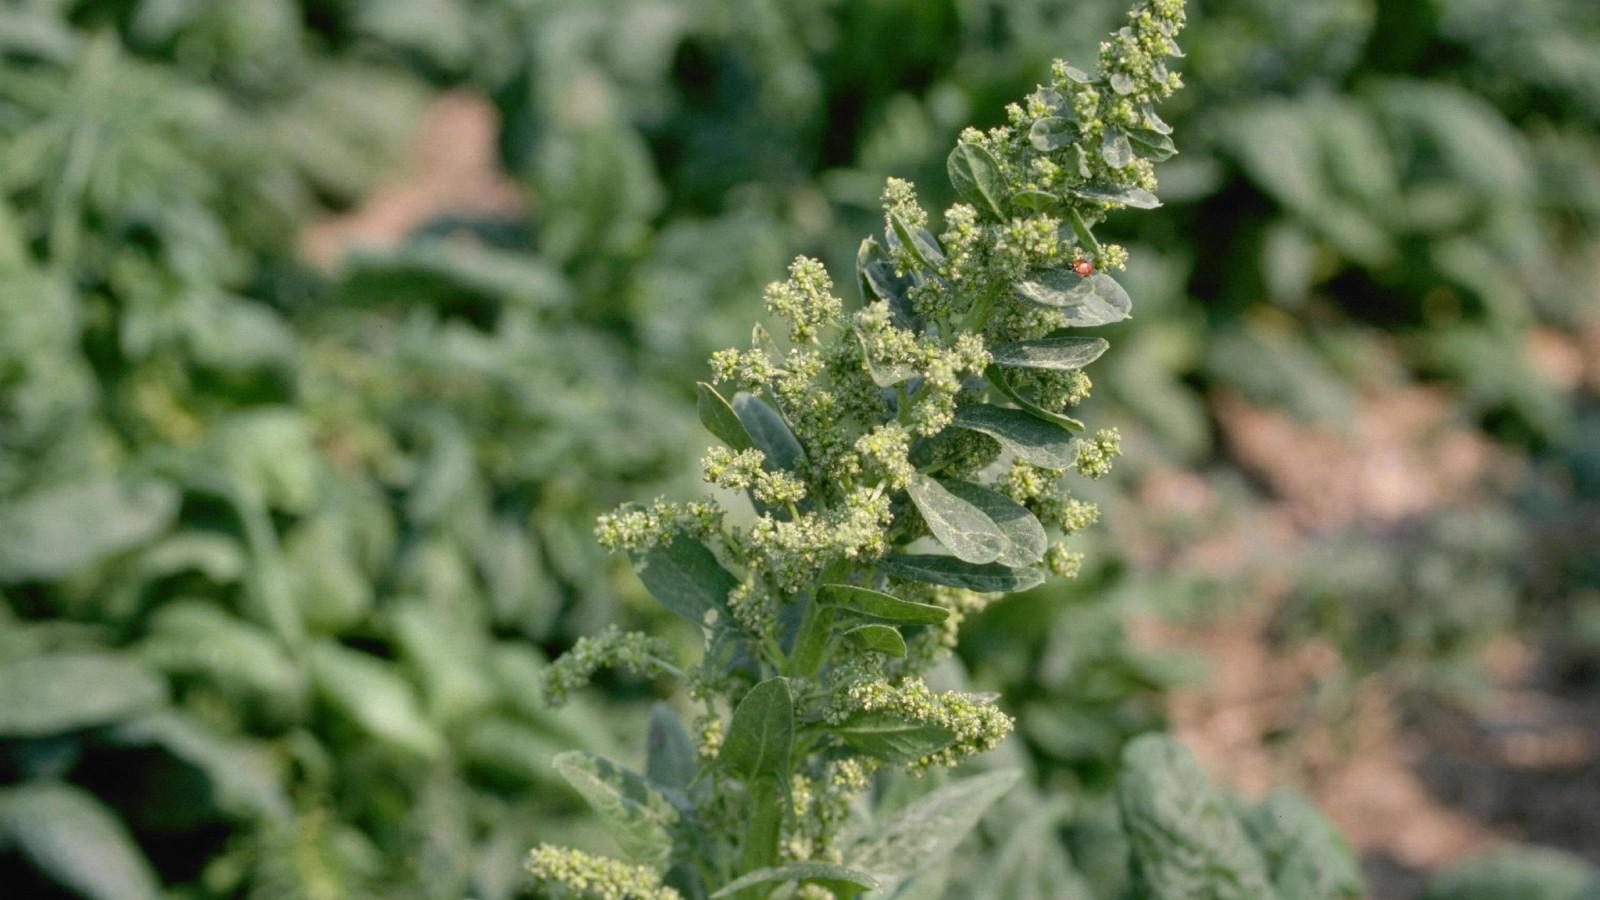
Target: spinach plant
934	418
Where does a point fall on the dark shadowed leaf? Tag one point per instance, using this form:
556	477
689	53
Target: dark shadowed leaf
879	281
717	415
670	758
768	432
685	577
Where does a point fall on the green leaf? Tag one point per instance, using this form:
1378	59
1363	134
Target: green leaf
56	531
879	281
997	377
1025	537
1040	443
69	836
42	695
242	660
1052	133
929	829
961	527
1086	302
1153	145
717	415
1115	148
877	638
368	692
889	737
1056	351
976	176
832	876
1186	841
919	242
1136	197
768	432
637	816
1036	200
1306	855
878	605
684	575
670	758
761	736
1517	873
987	578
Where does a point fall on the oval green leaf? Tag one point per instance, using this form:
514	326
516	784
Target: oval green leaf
919	242
1095	300
1038	442
976	176
1057	352
761	735
75	840
1052	133
883	607
768	432
1025	537
42	695
717	415
1115	148
685	577
639	817
997	377
988	578
961	527
1136	197
883	639
889	737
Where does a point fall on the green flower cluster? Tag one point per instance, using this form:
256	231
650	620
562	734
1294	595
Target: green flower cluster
566	872
934	416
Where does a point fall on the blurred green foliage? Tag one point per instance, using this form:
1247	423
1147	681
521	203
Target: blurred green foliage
282	551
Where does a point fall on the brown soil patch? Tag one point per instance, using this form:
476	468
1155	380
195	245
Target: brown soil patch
454	168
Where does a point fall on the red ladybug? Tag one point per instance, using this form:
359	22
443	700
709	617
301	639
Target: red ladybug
1083	267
